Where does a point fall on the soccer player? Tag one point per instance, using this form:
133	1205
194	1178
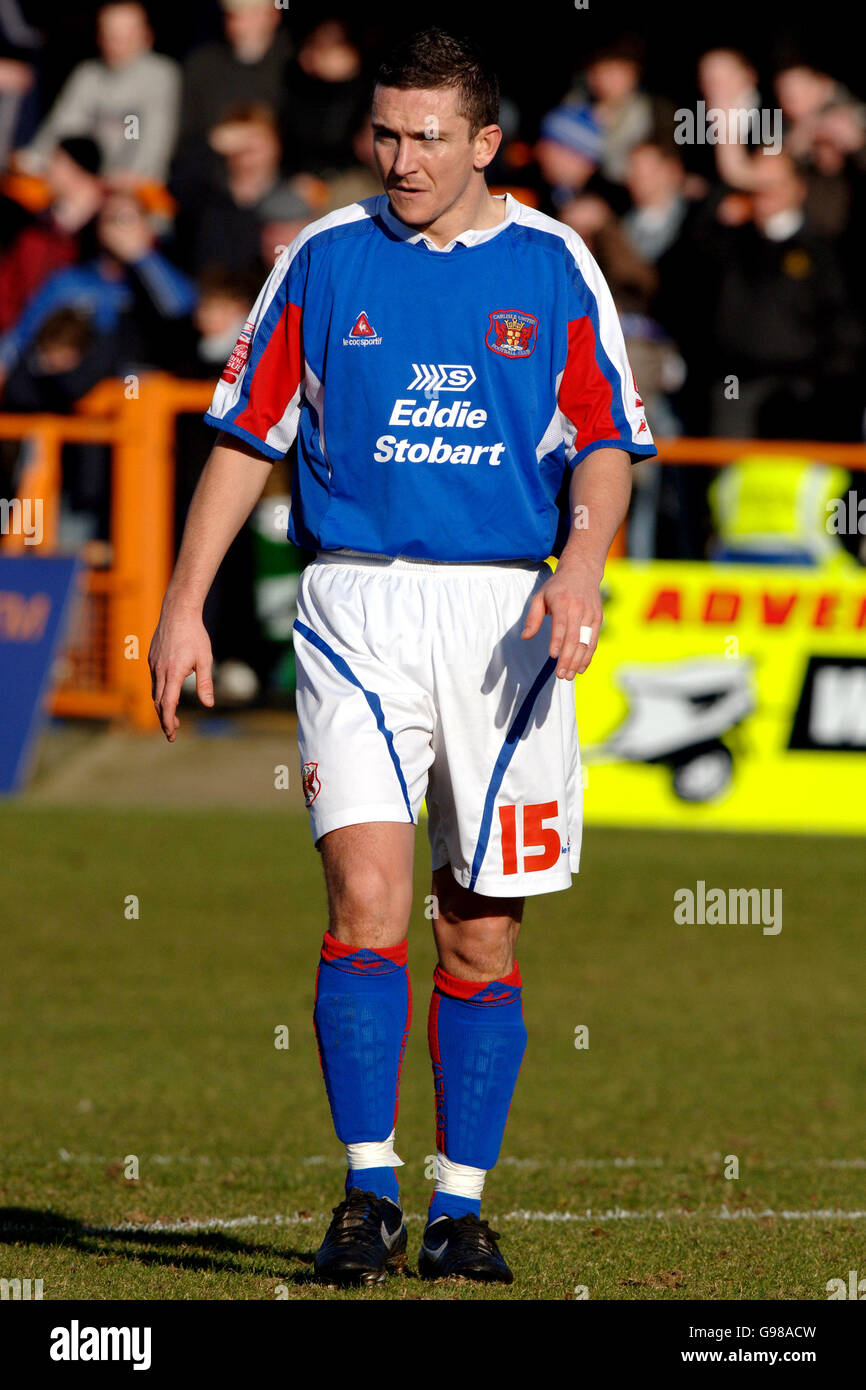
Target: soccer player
452	366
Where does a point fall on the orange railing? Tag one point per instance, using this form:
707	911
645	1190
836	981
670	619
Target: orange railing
104	672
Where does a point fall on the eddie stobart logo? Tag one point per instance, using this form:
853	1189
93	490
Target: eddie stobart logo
512	333
428	412
77	1343
458	415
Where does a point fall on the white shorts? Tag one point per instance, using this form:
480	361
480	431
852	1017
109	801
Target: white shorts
413	682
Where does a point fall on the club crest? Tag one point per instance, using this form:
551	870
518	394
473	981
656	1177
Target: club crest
512	333
312	785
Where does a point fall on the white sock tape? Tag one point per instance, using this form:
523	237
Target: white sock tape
459	1178
379	1154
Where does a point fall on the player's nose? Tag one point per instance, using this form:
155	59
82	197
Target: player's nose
405	162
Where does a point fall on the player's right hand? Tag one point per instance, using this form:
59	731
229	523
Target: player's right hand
180	645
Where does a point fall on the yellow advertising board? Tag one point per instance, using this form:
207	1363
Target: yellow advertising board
727	696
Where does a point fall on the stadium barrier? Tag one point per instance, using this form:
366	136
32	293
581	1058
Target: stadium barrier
103	673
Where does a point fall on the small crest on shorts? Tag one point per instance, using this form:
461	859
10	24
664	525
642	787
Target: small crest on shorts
312	785
512	333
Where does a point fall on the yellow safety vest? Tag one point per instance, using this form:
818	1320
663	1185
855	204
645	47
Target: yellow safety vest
770	503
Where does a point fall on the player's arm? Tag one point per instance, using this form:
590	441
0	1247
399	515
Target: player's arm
599	495
231	483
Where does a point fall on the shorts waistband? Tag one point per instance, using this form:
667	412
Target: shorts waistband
367	560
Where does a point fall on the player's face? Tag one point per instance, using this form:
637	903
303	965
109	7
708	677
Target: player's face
423	153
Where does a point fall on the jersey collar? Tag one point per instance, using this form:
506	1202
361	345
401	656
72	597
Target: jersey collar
472	237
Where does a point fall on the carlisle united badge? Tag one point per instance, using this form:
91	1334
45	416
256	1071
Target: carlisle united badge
512	333
312	785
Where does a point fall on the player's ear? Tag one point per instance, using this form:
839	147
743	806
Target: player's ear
487	142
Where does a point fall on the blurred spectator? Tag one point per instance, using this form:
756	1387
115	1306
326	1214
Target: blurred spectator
631	277
568	151
282	215
778	327
65	359
804	94
624	112
728	80
19	42
225	298
327	91
610	86
835	171
129	286
64	233
126	100
655	179
728	84
360	180
247	65
221	216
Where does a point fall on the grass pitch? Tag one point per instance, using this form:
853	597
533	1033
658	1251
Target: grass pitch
153	1039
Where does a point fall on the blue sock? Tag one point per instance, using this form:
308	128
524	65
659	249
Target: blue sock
382	1181
477	1040
362	1014
450	1204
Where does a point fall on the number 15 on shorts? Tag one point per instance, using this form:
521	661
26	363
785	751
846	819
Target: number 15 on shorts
524	830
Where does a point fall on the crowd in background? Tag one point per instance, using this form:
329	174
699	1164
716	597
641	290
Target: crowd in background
141	208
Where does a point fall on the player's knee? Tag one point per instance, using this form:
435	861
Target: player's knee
477	955
476	936
368	905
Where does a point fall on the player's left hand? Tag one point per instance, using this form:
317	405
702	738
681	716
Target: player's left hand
571	597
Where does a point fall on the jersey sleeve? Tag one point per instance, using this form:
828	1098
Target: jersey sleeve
258	396
599	403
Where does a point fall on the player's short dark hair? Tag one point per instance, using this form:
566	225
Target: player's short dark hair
434	58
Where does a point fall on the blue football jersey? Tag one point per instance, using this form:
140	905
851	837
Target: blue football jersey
439	396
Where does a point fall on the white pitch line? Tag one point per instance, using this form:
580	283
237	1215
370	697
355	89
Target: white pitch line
681	1213
232	1223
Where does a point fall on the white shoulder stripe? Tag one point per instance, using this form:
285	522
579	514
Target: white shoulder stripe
609	329
227	395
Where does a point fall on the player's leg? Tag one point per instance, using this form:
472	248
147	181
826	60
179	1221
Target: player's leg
504	803
362	1015
364	730
477	1040
363	996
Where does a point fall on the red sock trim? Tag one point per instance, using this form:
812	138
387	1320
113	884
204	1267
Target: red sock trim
332	949
403	1048
465	989
438	1078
